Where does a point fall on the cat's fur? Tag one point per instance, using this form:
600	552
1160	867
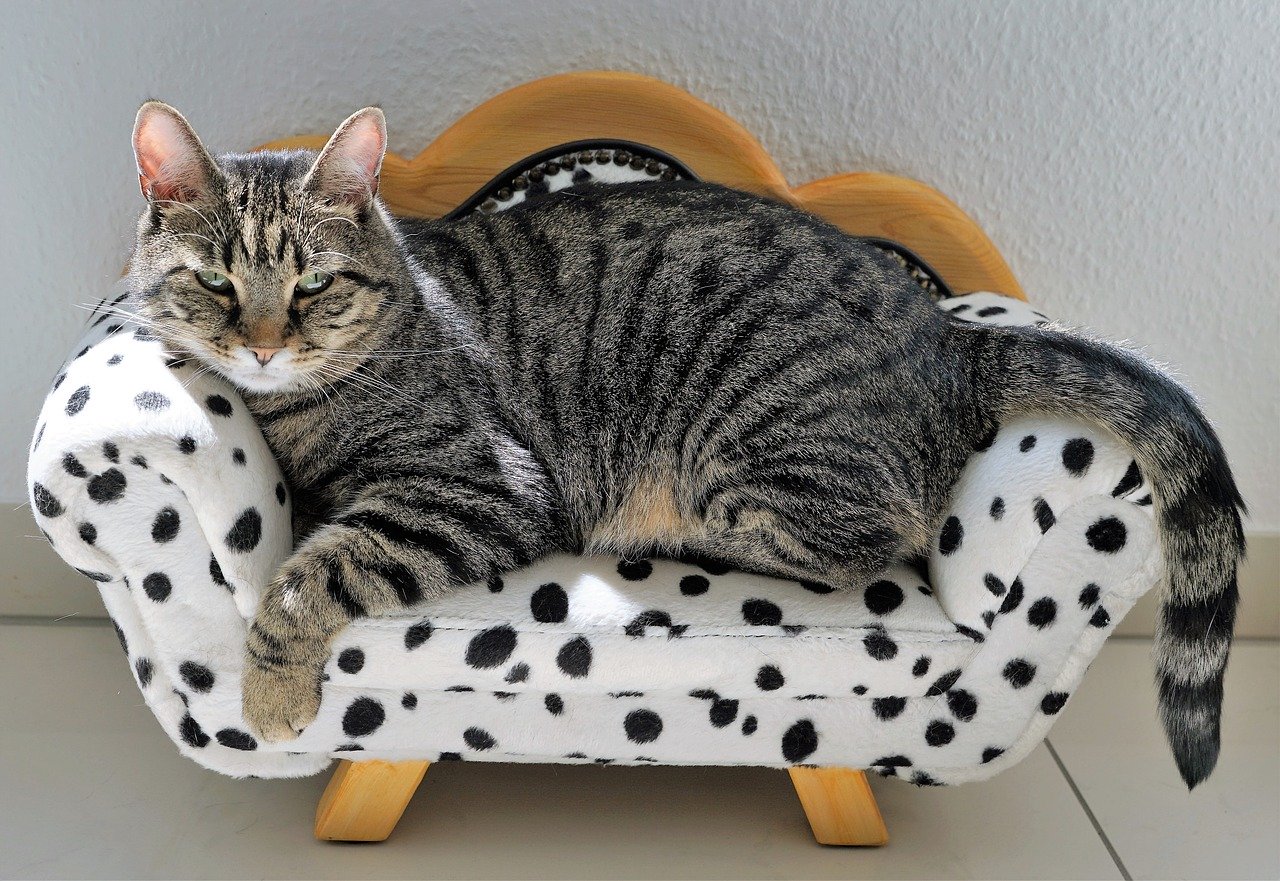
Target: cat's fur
674	368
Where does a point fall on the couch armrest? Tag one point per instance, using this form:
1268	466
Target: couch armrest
135	456
1018	486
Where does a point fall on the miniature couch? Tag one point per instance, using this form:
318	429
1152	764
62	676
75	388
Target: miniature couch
150	477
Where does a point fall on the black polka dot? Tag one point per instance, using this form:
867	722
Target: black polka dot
351	660
245	533
111	451
642	726
114	360
280	493
495	584
191	732
984	443
723	712
994	584
1042	613
997	508
991	753
1106	536
187	445
963	704
1053	702
1044	515
694	585
1019	672
554	704
144	670
198	677
215	572
769	678
749	725
108	486
237	456
939	733
549	604
635	570
409	701
1077	455
355	747
124	643
491	648
817	587
1101	618
800	741
96	576
78	399
710	565
165	527
46	502
1132	480
518	673
943	683
57	381
72	466
648	618
218	404
887	708
234	738
574	658
880	646
88	533
988	618
882	597
892	762
1089	596
761	613
139	461
920	667
157	586
479	739
989	311
153	401
1013	598
417	634
1027	443
364	716
951	537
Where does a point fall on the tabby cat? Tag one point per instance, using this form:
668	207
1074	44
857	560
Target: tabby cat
662	368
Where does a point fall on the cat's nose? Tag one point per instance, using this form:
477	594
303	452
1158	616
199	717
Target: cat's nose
263	353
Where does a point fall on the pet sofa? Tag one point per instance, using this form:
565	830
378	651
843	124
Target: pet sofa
149	476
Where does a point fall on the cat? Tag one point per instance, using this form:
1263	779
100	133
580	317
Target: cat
662	368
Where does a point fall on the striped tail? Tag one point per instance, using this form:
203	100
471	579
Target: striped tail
1197	506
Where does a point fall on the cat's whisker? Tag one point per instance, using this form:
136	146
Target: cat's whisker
190	208
339	217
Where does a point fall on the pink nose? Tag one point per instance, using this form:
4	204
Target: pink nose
264	354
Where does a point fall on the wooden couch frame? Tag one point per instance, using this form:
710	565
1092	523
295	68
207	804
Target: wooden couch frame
364	800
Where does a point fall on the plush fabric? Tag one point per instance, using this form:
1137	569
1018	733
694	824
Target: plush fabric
150	477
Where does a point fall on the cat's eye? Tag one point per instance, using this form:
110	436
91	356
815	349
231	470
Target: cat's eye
312	283
212	280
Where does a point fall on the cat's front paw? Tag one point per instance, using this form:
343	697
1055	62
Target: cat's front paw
279	703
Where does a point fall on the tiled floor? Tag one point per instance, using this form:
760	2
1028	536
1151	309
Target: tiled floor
90	788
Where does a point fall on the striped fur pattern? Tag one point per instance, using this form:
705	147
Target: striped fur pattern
661	368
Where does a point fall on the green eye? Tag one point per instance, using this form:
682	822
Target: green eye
313	283
212	280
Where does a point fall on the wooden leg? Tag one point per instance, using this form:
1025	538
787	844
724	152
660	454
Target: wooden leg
840	806
364	800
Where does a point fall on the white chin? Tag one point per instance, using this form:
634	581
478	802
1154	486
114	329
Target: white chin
263	381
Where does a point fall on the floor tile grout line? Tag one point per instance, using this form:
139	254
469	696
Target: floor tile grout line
1097	827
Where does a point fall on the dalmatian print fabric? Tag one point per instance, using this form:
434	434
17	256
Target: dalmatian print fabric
148	475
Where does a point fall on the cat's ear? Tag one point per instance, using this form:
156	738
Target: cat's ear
346	171
172	163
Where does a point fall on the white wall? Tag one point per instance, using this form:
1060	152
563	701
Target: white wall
1121	154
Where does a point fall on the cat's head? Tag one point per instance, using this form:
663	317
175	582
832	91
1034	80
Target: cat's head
273	268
